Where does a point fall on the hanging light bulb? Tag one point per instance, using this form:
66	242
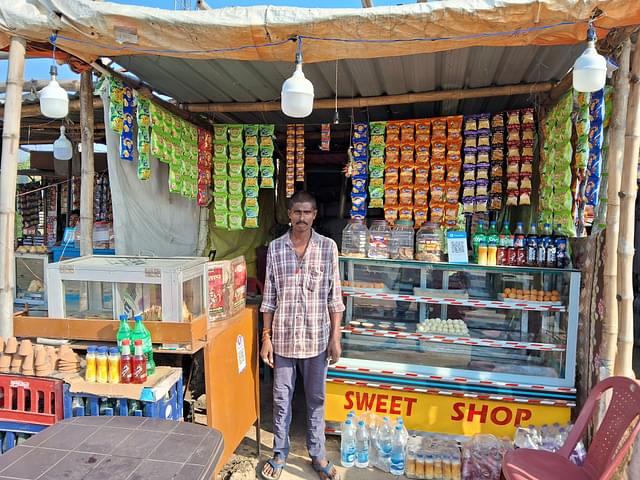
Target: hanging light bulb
62	148
54	100
590	68
297	92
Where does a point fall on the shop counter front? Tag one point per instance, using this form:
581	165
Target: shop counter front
456	349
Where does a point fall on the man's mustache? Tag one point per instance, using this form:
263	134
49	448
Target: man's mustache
302	223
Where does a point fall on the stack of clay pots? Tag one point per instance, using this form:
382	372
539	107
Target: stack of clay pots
28	359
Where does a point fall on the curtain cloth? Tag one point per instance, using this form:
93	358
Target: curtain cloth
147	219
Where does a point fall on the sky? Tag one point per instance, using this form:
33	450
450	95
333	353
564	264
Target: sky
38	69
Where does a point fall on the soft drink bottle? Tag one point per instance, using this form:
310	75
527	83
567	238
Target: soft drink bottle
140	332
397	452
124	331
126	369
519	244
362	445
562	250
348	445
532	246
492	234
478	237
550	244
139	363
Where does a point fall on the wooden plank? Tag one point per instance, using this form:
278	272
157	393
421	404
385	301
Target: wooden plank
105	330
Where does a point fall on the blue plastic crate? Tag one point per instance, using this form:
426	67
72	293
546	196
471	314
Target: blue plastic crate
11	433
165	407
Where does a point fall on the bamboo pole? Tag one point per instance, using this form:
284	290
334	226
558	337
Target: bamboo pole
614	166
69	85
8	176
87	171
34	110
623	364
383	100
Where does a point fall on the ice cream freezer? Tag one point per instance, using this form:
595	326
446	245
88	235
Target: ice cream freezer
456	349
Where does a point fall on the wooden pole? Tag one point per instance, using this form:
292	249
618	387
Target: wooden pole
614	166
8	177
383	100
69	85
627	224
87	165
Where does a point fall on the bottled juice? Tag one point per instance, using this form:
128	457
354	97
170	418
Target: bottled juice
482	253
90	372
139	364
492	254
126	368
114	365
102	366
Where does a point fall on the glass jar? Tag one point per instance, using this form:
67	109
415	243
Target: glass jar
379	239
355	238
401	245
429	242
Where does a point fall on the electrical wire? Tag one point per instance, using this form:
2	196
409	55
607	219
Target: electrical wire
299	38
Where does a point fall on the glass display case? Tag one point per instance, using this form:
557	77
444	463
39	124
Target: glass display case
162	289
503	324
31	279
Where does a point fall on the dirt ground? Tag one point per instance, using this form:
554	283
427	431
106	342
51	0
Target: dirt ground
244	465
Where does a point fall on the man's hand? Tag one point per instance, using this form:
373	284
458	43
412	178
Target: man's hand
266	352
334	350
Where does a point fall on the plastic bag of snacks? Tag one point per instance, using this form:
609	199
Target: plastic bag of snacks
482	457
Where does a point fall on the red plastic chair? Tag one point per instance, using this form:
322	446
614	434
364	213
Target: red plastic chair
604	455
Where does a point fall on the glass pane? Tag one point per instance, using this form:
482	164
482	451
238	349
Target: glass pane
88	299
145	298
192	302
30	278
413	316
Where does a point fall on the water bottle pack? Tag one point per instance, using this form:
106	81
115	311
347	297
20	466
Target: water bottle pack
550	438
482	457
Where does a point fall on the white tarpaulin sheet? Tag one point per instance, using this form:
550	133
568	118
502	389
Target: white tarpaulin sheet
147	219
91	29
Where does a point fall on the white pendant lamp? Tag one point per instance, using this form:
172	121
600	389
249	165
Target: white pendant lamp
54	100
297	92
590	68
62	148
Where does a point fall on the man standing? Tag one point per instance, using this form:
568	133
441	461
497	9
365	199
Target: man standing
302	312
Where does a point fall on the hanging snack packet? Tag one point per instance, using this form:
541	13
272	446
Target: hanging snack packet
407	132
497	121
358	205
438	172
470	156
468	188
116	105
422	154
422	175
390	195
376	150
420	196
390	214
470	125
484	123
495	202
251	217
452	191
468	172
235	151
220	133
251	167
220	183
376	170
423	132
267	171
235	168
437	212
251	130
527	119
468	204
392	153
393	133
406	174
221	219
454	126
235	220
269	130
420	216
235	185
405	195
438	194
220	150
406	153
513	120
251	189
235	133
377	128
481	204
496	186
360	131
219	167
358	185
235	203
405	213
483	155
252	141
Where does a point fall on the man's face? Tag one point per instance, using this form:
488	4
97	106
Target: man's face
301	216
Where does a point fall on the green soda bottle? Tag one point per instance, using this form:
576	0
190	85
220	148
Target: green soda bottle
479	236
124	331
140	332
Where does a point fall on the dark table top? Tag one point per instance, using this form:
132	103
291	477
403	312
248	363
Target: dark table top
122	448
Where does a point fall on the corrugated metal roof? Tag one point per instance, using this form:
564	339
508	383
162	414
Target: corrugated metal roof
203	81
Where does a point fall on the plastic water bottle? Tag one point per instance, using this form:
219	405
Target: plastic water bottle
384	444
397	452
348	445
350	416
362	445
405	432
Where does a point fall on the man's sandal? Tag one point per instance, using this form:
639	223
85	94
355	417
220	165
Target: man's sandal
276	466
326	473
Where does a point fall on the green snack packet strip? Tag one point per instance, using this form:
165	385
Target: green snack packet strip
266	171
251	150
235	220
251	191
235	151
235	185
219	167
376	150
235	203
377	128
251	167
251	130
220	133
235	133
267	130
220	201
220	150
235	168
376	203
266	150
251	217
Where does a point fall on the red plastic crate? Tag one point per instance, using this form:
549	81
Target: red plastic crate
34	400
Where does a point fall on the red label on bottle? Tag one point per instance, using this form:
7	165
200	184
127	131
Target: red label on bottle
125	369
139	370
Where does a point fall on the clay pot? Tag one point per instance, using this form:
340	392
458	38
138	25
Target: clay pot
5	361
1	344
16	364
27	363
40	355
25	348
11	346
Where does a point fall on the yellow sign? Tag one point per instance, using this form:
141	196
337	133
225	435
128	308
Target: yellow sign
440	413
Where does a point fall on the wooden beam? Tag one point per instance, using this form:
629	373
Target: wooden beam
87	164
69	85
8	177
384	100
367	3
34	109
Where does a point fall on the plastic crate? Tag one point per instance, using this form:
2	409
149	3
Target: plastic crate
31	400
13	433
163	403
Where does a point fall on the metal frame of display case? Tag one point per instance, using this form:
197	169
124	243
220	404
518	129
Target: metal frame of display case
347	266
